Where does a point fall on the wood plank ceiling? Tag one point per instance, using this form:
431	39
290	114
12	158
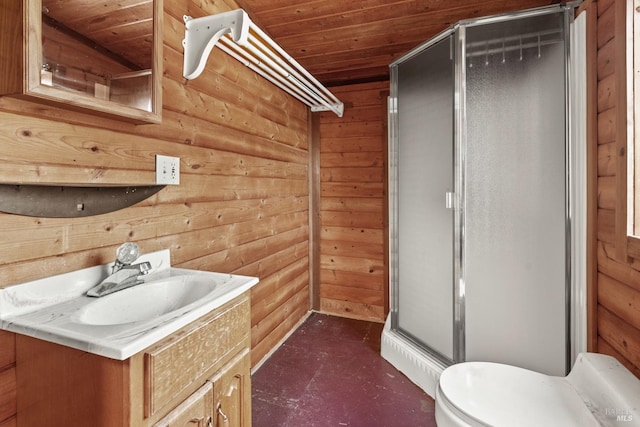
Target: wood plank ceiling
351	41
338	41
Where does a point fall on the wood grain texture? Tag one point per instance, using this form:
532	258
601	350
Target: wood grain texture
232	393
269	333
139	391
11	51
125	28
41	42
347	42
242	206
48	374
620	299
620	39
7	349
197	408
314	211
606	165
173	365
353	205
605	348
599	163
8	401
244	155
624	338
614	325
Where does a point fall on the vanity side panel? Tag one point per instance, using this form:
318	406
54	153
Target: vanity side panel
69	387
8	400
7	349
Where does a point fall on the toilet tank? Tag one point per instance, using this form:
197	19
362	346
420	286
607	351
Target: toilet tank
609	390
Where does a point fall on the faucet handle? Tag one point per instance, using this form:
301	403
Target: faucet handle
126	254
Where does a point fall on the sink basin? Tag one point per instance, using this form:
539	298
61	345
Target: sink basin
123	323
147	301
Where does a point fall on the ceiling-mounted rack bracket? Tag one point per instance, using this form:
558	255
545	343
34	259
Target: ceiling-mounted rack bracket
202	34
337	108
255	49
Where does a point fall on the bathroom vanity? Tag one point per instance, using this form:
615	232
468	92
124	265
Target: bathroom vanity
174	350
199	374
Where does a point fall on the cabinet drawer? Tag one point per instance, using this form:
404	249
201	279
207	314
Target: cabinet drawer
173	365
197	410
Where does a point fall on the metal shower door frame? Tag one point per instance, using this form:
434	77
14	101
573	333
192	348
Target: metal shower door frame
457	33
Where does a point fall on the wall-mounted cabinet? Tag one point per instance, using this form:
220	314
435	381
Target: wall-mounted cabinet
75	55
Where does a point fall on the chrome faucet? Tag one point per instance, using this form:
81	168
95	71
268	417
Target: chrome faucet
124	274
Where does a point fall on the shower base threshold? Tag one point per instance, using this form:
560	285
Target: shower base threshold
419	366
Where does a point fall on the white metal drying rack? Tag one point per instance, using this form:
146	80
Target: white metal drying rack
244	41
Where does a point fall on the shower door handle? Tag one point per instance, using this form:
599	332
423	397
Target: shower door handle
450	200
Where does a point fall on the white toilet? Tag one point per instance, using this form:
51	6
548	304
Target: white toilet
598	391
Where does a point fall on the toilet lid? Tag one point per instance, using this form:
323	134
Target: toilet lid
502	395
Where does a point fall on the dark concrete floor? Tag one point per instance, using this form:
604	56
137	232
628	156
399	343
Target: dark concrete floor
330	373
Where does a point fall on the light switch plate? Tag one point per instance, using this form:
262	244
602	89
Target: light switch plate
167	170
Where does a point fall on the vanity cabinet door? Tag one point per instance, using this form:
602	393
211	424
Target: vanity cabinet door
195	411
232	393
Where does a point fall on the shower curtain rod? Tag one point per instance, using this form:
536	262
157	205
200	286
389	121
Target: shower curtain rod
235	34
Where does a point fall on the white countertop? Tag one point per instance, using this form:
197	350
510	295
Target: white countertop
49	309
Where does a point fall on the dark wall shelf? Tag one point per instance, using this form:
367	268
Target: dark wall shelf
70	202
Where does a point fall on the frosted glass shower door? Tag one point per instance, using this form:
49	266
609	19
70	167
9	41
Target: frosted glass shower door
515	186
425	174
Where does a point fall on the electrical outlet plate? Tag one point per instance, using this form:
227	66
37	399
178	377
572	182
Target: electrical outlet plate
167	170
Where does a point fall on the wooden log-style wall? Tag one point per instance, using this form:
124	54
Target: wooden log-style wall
353	209
614	306
241	206
243	202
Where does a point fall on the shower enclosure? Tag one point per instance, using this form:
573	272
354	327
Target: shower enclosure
481	185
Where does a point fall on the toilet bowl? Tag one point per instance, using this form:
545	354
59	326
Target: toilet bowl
598	391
